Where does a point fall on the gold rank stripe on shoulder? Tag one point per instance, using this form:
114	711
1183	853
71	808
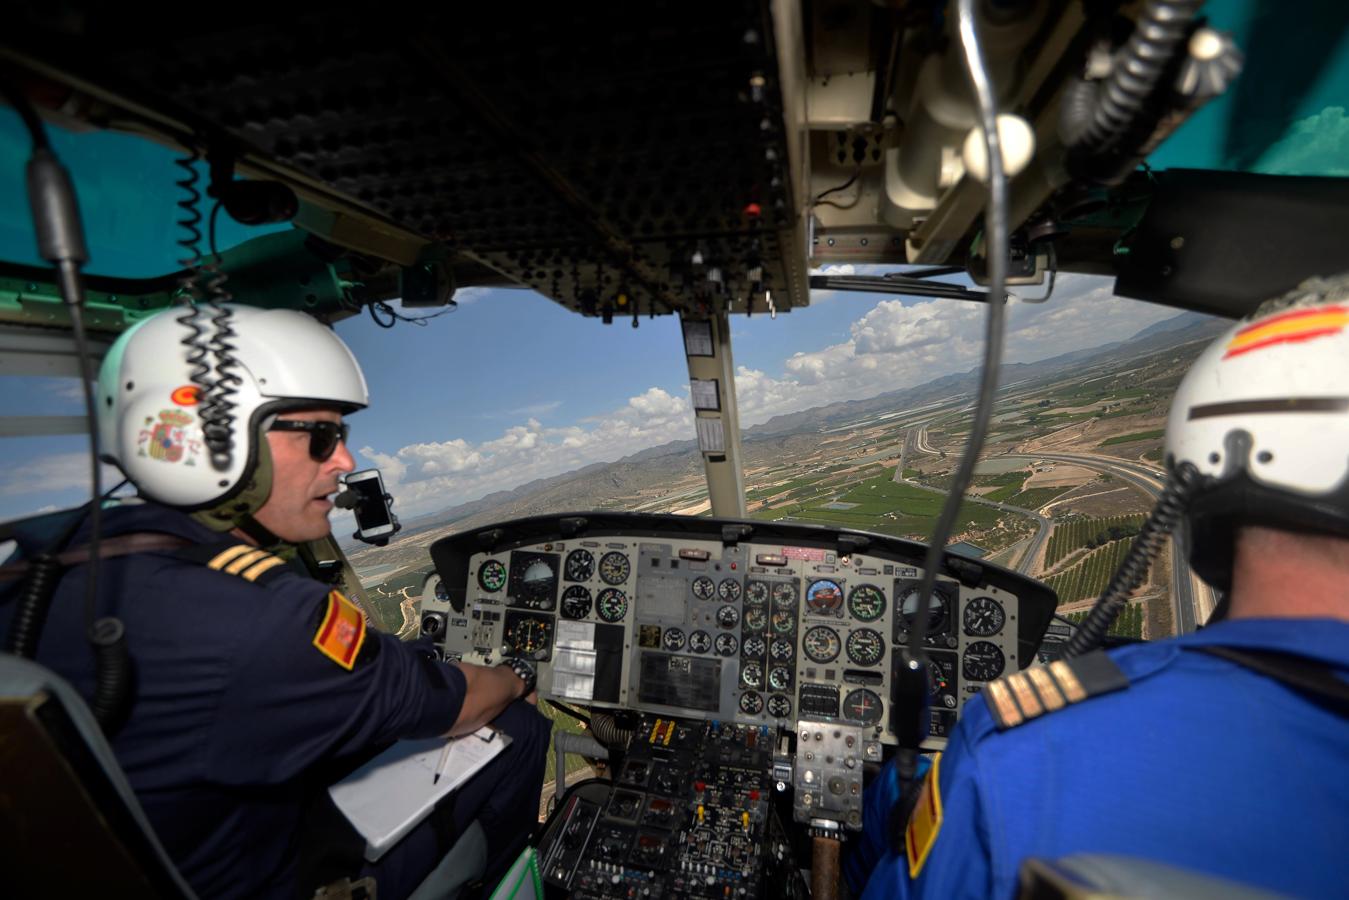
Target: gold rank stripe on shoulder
245	561
1022	696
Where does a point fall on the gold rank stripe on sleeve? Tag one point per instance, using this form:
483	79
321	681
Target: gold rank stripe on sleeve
1021	696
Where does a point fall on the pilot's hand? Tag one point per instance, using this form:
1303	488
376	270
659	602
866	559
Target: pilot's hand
532	698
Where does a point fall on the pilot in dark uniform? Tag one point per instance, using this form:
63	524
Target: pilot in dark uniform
253	683
1225	751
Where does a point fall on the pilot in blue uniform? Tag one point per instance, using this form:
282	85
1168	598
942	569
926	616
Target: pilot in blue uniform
1222	752
255	685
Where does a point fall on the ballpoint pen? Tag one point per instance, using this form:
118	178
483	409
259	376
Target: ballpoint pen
440	766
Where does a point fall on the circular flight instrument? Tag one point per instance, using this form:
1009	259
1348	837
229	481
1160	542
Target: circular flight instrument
779	707
984	617
704	587
782	650
756	619
821	644
727	644
614	568
492	575
939	611
580	565
756	593
983	661
753	647
779	678
672	640
866	647
784	622
728	617
528	635
862	706
536	585
937	680
751	704
751	675
824	597
784	595
729	590
611	604
700	641
866	603
576	602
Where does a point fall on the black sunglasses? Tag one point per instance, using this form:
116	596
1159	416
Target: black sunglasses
324	436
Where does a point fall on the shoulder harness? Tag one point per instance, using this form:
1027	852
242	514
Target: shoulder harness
236	558
1021	696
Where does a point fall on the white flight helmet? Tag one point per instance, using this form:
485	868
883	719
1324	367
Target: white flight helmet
1263	414
150	413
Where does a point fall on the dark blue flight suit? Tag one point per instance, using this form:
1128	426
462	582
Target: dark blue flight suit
1199	763
239	719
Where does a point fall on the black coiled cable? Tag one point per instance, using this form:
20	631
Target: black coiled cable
112	661
203	290
1093	120
1174	500
30	614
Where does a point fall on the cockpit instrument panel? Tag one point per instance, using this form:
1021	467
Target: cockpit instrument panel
757	623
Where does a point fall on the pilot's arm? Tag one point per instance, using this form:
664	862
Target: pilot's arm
488	691
948	843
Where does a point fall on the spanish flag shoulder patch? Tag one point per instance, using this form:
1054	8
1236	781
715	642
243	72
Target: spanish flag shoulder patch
924	822
341	632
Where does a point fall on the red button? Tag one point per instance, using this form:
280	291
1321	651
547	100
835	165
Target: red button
699	786
753	795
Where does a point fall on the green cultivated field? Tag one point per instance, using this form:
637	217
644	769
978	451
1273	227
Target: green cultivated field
1069	536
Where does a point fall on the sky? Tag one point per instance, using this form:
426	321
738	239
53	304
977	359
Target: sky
510	387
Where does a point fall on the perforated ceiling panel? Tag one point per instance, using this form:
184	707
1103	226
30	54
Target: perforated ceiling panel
619	159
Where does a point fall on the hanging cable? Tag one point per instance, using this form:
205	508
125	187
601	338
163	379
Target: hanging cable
844	186
60	238
395	316
912	668
995	223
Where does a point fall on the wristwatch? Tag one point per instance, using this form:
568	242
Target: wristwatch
524	670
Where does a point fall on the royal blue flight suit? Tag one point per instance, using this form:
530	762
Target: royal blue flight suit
237	716
1200	763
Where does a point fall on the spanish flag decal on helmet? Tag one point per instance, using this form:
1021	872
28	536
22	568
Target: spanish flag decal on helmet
1288	328
924	822
342	631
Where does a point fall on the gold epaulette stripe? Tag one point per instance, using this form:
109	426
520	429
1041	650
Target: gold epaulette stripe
245	561
224	557
1025	695
1022	696
266	565
1072	688
1004	709
1044	686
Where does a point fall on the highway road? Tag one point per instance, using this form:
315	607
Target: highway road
1191	600
916	439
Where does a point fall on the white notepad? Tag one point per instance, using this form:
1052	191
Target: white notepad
388	796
